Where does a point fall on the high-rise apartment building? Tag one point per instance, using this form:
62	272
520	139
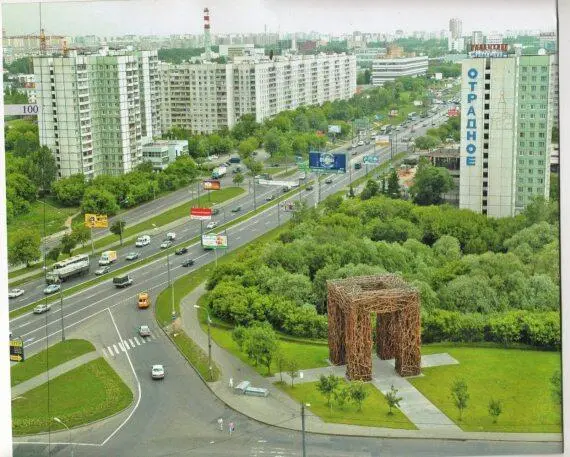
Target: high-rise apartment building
97	110
506	124
477	37
208	96
455	28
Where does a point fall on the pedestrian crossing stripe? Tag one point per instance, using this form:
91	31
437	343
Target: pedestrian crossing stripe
125	345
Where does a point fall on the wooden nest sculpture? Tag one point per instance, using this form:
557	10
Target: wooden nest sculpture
398	334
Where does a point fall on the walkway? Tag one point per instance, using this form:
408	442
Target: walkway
37	381
278	409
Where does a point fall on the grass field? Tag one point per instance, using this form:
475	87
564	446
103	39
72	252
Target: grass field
374	409
38	363
88	393
196	356
34	220
519	378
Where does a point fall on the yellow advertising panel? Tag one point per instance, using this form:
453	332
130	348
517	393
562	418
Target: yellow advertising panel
96	220
16	351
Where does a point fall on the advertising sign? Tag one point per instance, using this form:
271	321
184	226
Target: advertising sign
201	214
21	110
489	50
471	126
382	140
453	112
327	161
266	182
16	351
211	184
218	241
96	220
371	160
393	112
334	128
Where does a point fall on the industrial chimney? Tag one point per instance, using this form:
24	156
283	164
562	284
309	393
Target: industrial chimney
207	37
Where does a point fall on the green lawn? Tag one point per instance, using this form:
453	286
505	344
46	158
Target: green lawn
195	355
519	378
38	363
88	393
34	220
374	409
273	170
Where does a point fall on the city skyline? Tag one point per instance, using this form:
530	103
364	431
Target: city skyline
143	17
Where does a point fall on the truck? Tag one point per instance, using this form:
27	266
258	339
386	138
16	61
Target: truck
68	268
220	171
108	257
122	281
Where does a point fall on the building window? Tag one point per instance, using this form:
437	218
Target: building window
520	189
521	134
529	189
521	162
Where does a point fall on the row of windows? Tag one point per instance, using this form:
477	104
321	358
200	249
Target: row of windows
533	125
543	68
543	78
531	171
533	115
531	162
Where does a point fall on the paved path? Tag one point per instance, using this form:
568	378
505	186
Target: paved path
278	409
36	381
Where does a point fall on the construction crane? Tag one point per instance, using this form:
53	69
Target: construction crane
43	46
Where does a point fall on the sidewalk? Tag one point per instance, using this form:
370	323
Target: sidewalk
278	409
36	381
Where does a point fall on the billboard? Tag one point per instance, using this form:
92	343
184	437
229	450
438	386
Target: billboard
211	184
21	110
266	182
327	161
16	351
96	220
201	214
371	160
453	112
382	140
334	128
213	241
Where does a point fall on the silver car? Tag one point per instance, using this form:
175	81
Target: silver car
42	309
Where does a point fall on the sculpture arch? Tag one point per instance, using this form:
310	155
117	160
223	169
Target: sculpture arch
398	332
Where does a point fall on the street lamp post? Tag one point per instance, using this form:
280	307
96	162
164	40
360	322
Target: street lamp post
61	309
303	426
209	342
59	421
170	285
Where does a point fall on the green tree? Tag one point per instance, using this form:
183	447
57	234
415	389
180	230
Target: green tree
430	184
53	254
238	179
272	141
370	190
426	142
341	396
43	169
292	369
255	167
495	409
22	186
393	399
280	361
358	393
69	191
118	228
556	386
24	248
97	201
247	146
67	243
327	385
460	396
81	234
393	190
260	344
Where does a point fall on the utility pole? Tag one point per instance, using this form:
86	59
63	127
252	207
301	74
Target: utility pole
319	180
254	204
61	310
92	246
303	427
209	346
278	214
170	285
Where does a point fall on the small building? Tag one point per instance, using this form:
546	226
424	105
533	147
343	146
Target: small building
384	70
163	152
447	158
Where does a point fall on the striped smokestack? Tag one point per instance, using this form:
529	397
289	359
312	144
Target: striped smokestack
207	38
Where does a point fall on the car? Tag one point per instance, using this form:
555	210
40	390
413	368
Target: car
237	209
14	293
143	240
309	187
102	270
215	211
43	308
361	143
51	289
166	244
144	330
212	225
180	251
425	124
132	256
328	181
357	166
269	198
188	263
171	236
213	156
354	153
157	372
286	189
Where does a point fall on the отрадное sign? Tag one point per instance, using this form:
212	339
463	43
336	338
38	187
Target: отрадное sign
471	129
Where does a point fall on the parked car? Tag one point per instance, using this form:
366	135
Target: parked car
271	197
166	244
43	308
102	270
188	263
180	251
14	293
212	225
132	256
52	288
237	209
328	181
157	372
144	330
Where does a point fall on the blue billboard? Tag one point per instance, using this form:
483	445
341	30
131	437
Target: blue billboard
327	162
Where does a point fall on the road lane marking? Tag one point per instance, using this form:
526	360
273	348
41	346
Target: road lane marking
131	343
122	347
116	350
136	340
104	352
143	339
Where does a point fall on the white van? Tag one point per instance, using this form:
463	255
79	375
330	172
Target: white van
143	240
171	236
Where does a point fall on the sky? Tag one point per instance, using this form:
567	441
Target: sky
165	17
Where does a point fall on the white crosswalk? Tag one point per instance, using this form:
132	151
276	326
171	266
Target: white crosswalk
126	345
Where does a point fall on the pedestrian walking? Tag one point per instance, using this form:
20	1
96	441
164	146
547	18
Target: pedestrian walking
232	427
221	424
231	384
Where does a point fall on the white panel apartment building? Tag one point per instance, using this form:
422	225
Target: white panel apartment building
207	97
506	123
384	70
97	109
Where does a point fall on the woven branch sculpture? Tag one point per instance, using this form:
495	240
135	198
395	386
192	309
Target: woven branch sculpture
397	305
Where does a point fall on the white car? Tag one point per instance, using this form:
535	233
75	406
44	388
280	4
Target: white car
14	293
157	372
212	225
42	309
361	143
171	236
144	330
51	289
214	156
166	244
143	240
